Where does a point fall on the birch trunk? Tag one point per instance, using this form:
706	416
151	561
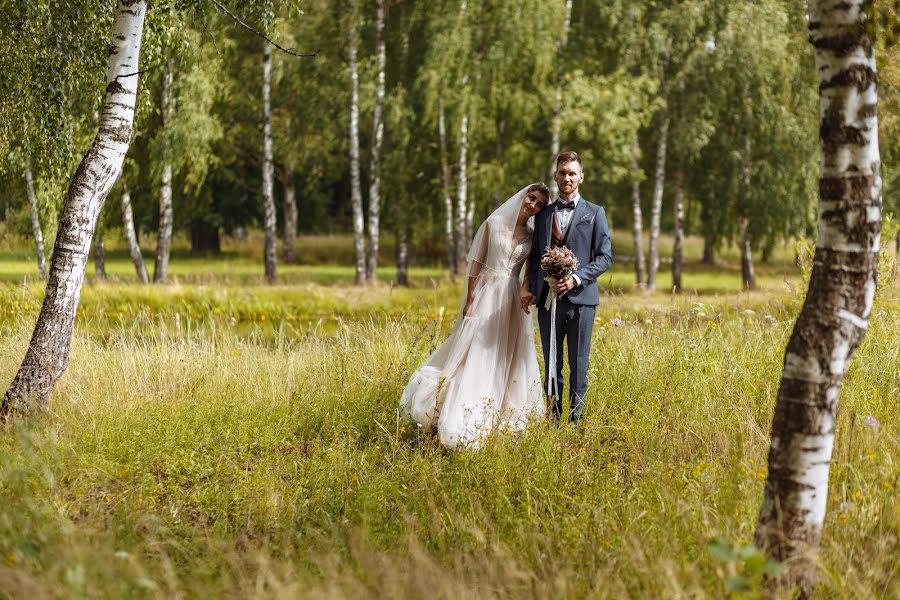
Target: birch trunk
359	244
403	257
557	106
133	248
448	201
290	217
99	257
678	244
470	193
653	258
375	155
462	243
268	173
748	278
835	314
48	352
637	215
164	237
35	219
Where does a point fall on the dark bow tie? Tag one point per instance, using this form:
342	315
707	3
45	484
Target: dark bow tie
565	204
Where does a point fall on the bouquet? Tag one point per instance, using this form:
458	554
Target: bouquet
558	263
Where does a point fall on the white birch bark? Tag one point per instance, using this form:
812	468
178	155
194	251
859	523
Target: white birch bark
678	243
655	215
403	257
164	236
290	217
131	236
448	201
359	244
99	257
835	314
462	242
637	216
268	173
748	276
375	154
557	106
35	219
48	352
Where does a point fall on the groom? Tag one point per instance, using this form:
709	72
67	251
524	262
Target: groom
573	222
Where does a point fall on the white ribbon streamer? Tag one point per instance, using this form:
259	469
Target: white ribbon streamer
550	304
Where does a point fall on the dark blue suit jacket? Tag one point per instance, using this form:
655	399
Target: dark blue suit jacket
589	239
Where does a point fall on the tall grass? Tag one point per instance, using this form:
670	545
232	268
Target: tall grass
211	454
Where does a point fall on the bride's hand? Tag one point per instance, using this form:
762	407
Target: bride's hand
467	309
526	298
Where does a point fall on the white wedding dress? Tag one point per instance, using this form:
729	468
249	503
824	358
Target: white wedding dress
485	376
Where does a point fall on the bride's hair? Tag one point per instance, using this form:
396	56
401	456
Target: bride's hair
539	187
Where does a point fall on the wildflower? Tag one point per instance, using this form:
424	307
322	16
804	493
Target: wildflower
617	322
872	422
693	344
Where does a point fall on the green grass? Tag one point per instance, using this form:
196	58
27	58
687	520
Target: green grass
214	438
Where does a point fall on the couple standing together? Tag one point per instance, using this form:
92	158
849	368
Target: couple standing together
485	376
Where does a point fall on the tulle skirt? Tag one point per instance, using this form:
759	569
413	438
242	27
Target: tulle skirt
485	376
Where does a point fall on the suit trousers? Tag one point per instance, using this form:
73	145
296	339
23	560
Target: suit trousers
574	323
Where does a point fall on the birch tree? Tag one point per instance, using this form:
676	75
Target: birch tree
359	243
268	171
35	219
557	106
164	237
841	291
134	250
48	352
660	174
375	152
445	190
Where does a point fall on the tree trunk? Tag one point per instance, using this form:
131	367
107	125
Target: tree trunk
462	243
841	291
268	173
205	238
709	250
375	154
748	278
557	105
164	238
359	243
403	256
653	258
637	216
99	258
290	217
133	248
48	352
677	246
470	191
448	201
35	219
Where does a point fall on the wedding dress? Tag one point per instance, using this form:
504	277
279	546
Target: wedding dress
485	376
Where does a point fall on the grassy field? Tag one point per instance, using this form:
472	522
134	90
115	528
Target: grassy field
221	438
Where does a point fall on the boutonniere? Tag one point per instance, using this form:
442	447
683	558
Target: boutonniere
586	219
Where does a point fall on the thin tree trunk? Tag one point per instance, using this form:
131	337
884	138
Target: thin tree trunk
653	258
359	243
709	250
48	352
375	154
164	238
470	197
448	201
638	226
748	278
290	217
678	245
462	242
35	219
557	105
133	248
99	257
841	291
268	173
403	256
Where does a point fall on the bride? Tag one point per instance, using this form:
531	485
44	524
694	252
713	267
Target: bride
485	375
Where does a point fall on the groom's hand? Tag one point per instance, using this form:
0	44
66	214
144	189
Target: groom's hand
564	286
526	299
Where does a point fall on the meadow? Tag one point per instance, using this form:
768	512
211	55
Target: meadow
217	437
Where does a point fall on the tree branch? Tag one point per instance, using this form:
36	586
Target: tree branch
222	8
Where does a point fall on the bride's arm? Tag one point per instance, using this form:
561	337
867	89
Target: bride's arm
482	238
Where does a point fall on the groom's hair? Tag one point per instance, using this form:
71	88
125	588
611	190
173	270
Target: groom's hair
564	157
